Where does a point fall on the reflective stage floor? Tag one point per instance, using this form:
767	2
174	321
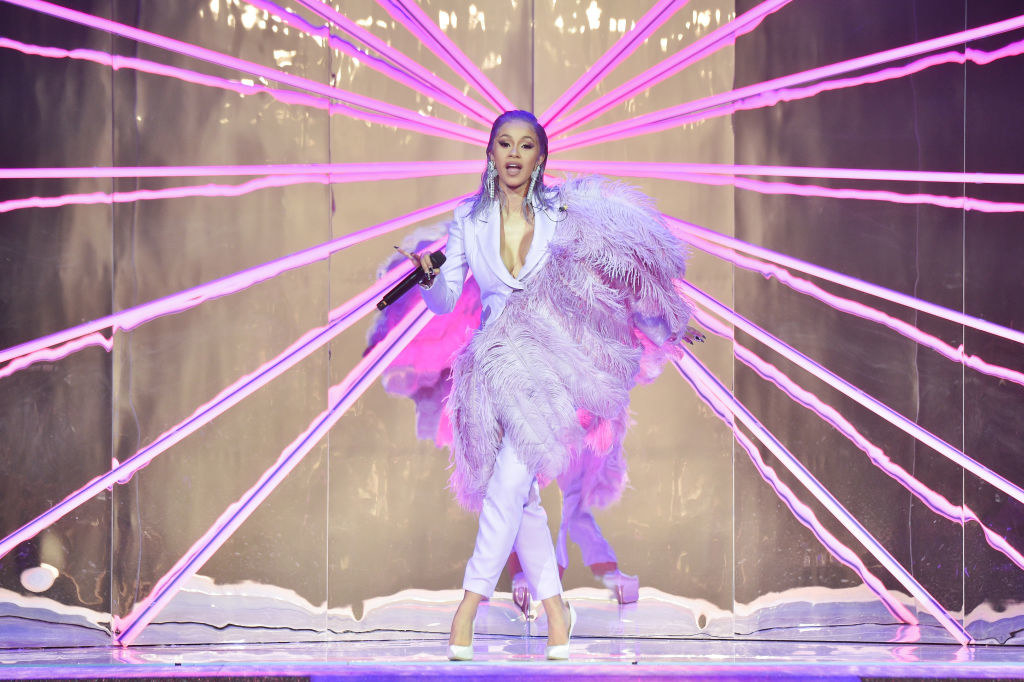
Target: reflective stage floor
522	658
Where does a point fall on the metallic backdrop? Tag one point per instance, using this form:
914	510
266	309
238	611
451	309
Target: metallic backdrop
362	536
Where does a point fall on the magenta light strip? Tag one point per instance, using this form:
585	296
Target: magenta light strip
728	101
216	190
860	310
933	500
379	65
690	365
846	388
626	45
411	66
420	25
341	397
957	202
367	171
189	298
956	316
54	354
724	35
804	514
189	76
341	318
773	97
655	169
225	60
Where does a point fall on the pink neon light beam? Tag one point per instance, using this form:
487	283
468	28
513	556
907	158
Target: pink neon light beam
189	298
398	113
381	66
860	310
958	202
691	366
685	228
368	171
411	66
341	397
846	388
804	514
626	45
214	190
341	318
723	103
773	97
724	35
657	169
419	24
189	76
933	500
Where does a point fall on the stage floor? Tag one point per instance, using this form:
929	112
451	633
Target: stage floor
522	658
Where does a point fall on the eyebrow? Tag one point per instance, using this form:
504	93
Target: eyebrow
525	137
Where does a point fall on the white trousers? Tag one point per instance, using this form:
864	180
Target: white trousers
512	516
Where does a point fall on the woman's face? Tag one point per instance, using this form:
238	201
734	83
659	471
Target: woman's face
516	152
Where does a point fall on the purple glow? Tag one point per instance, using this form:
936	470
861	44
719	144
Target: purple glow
727	102
385	170
691	366
656	169
686	228
379	65
453	130
804	514
341	318
189	298
409	65
662	11
762	187
189	76
860	310
880	409
724	35
341	397
417	22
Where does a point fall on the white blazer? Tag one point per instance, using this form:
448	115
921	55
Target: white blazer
475	243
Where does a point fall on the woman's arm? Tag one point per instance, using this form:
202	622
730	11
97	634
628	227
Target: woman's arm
443	293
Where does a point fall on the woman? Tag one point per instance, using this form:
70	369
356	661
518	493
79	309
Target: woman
577	297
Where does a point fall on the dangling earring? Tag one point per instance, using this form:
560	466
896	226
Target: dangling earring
492	172
533	181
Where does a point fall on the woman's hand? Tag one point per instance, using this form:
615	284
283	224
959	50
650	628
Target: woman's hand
421	261
693	334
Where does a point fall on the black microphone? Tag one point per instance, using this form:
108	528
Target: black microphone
412	279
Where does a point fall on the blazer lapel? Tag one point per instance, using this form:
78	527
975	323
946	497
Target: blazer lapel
490	241
543	232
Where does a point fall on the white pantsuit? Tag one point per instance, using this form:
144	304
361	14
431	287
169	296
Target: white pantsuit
511	515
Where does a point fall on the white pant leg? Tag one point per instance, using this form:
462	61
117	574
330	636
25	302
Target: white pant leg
512	494
535	551
579	524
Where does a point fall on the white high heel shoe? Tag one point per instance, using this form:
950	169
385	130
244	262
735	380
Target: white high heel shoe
560	652
458	652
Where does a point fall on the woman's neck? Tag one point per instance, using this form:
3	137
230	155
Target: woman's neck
513	203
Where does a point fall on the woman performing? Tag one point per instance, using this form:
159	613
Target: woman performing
578	305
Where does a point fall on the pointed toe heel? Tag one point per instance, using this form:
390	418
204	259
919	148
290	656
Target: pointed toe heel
460	653
560	652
